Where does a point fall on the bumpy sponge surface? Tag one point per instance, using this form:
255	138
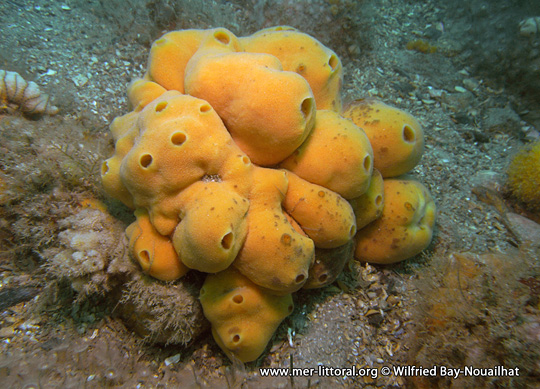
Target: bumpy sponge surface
396	136
337	155
239	164
405	227
267	126
305	55
243	316
154	252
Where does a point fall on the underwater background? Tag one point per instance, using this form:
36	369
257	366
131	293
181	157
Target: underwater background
469	72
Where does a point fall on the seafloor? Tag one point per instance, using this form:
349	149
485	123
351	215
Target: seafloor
470	299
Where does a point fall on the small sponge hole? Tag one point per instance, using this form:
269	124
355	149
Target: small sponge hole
323	278
144	257
104	168
227	240
307	108
236	338
238	299
146	160
378	200
205	108
367	163
161	106
178	138
333	61
408	134
300	278
223	37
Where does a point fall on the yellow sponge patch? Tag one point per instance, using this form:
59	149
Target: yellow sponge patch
169	56
274	255
396	136
171	53
142	92
267	126
219	40
325	216
405	227
120	127
124	131
213	226
154	252
369	206
243	316
337	155
181	140
305	55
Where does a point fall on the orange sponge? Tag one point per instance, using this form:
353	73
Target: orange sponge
234	172
336	155
275	255
169	56
267	126
124	131
325	216
213	226
142	92
405	227
305	55
396	136
154	252
180	140
244	317
369	206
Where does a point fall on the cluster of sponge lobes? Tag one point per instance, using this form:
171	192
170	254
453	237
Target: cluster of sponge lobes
240	162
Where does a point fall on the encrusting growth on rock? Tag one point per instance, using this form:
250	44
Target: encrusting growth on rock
524	176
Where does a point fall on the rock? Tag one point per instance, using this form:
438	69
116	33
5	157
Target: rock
529	27
503	120
525	229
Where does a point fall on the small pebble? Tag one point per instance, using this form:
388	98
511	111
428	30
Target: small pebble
172	360
471	84
80	80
